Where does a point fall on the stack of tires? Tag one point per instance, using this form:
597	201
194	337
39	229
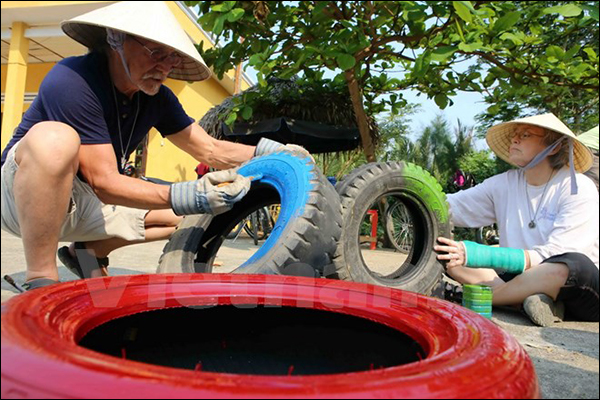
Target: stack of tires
317	232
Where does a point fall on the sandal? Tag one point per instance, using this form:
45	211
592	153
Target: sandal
453	293
39	283
88	265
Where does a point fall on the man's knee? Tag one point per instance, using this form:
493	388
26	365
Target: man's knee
54	144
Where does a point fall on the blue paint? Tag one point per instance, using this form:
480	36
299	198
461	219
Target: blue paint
291	176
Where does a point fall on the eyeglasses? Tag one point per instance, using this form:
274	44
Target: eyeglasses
522	135
159	56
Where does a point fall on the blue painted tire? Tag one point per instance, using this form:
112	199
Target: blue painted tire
303	241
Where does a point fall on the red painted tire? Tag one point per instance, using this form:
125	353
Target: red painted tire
467	355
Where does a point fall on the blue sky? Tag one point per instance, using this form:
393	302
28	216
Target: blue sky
466	106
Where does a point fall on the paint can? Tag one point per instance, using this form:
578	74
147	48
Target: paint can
478	298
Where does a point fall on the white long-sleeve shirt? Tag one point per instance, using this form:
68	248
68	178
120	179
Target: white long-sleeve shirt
564	222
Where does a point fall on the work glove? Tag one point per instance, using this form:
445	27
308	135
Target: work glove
214	194
267	146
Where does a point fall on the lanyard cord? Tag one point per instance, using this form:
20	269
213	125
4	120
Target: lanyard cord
124	151
532	223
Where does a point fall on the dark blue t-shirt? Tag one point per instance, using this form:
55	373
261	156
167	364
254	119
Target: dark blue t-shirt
78	91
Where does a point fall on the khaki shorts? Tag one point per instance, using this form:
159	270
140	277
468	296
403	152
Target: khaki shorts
87	220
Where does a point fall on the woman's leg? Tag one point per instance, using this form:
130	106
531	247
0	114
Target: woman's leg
545	278
159	224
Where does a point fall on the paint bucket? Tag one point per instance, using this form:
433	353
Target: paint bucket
478	298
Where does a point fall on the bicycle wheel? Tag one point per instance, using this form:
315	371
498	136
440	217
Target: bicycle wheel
261	220
400	228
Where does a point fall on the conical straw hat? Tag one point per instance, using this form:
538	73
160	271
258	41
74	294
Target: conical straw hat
499	138
151	20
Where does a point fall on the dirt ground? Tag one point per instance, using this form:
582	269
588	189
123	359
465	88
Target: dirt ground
565	355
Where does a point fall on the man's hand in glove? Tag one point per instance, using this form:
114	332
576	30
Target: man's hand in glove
214	194
268	146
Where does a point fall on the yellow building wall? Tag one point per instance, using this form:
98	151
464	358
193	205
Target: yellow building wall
3	73
35	76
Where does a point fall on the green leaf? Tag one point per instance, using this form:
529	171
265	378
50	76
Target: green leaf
495	109
235	14
207	21
417	16
512	37
470	47
591	53
489	80
247	113
441	54
500	73
422	65
567	10
255	47
580	69
224	7
441	100
231	119
556	52
288	73
485	12
219	24
345	61
593	11
507	21
313	48
463	10
571	53
475	86
256	60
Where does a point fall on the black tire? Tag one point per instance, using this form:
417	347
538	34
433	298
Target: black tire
303	241
425	200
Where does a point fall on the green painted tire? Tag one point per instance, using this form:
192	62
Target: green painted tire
422	195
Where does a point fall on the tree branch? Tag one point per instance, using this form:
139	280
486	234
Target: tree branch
515	72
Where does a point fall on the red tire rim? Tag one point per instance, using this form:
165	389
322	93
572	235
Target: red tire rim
467	355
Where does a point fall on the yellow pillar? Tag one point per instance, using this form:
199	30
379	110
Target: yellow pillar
16	75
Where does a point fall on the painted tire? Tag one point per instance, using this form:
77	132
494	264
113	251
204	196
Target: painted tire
303	241
467	356
422	195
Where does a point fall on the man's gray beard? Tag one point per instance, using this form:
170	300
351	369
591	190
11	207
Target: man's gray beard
146	90
150	93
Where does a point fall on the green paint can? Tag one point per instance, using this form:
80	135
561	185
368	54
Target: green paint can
478	298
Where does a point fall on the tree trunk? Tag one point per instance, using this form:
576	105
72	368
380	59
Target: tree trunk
361	116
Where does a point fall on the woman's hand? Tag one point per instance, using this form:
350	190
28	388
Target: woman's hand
453	253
